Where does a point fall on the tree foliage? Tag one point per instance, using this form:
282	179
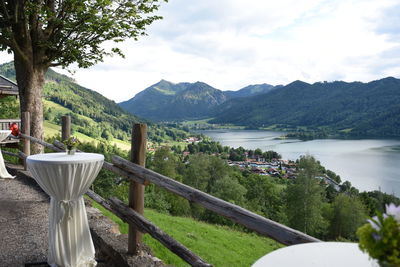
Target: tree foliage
348	214
42	34
337	108
265	197
60	33
298	203
305	199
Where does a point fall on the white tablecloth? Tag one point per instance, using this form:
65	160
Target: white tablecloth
318	254
3	171
66	178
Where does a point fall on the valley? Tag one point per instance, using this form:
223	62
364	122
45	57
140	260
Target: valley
305	111
216	168
94	118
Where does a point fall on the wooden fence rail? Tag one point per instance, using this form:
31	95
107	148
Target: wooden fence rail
5	123
127	214
139	175
263	226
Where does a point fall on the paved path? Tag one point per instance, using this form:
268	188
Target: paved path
23	222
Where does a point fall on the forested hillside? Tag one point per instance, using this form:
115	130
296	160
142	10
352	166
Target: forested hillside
166	101
254	89
92	114
314	110
354	109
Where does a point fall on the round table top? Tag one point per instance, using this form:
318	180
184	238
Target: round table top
321	254
4	134
64	158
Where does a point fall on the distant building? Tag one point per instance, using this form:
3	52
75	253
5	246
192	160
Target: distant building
192	139
7	87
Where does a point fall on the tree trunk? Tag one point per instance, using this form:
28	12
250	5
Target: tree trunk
30	79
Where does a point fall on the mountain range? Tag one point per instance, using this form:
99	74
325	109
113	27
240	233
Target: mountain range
357	109
352	109
167	101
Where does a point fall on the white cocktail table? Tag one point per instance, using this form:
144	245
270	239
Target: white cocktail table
3	171
66	178
321	254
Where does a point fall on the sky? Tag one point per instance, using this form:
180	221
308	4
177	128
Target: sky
230	44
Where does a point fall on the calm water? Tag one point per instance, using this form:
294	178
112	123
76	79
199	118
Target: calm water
369	164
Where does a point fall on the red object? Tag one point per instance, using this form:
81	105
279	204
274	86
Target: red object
14	129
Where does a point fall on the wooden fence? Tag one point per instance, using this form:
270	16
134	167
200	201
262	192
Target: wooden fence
139	176
5	123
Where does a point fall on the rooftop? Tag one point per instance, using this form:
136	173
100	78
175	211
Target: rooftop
8	87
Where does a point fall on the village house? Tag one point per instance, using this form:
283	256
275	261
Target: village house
192	139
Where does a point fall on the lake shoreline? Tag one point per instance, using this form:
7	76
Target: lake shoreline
369	164
298	132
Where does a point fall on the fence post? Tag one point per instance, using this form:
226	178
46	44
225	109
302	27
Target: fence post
136	190
26	129
65	127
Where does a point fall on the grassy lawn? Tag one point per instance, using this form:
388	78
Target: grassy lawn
59	110
175	143
218	245
51	130
205	123
121	144
192	122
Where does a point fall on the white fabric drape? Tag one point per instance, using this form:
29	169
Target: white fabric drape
3	171
66	178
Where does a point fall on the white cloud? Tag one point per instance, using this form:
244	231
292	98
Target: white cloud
232	43
5	57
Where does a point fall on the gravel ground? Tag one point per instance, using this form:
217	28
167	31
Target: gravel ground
23	222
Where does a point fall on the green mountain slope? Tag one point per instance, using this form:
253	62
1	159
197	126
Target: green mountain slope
92	114
250	90
165	101
361	109
148	101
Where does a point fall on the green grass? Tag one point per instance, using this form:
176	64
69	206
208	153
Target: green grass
192	122
348	130
51	129
121	144
218	245
182	144
165	92
204	123
59	110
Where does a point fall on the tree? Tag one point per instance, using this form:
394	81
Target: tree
305	199
196	173
258	152
43	34
167	163
346	187
348	214
264	197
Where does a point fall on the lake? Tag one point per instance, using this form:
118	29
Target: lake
369	164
